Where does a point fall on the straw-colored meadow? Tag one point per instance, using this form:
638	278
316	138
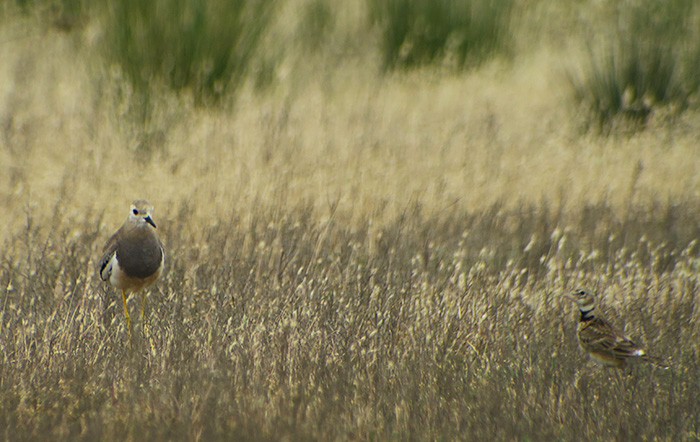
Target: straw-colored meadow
351	253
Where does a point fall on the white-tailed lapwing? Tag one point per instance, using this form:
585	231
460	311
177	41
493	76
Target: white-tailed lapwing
133	257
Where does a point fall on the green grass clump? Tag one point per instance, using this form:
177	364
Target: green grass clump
204	46
421	32
648	65
316	23
62	15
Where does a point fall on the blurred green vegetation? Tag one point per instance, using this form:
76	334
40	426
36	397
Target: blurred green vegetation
420	32
63	6
64	15
647	64
315	25
641	60
204	46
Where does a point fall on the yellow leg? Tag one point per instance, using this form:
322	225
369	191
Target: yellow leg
144	324
126	313
143	309
143	305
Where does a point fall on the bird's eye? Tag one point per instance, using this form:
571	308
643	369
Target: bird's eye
136	212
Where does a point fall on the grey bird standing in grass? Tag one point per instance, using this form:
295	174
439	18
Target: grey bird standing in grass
133	257
602	341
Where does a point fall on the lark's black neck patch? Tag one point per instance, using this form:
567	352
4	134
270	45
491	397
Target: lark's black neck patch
586	315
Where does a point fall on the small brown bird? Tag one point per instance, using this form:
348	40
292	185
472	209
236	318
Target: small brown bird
133	257
602	341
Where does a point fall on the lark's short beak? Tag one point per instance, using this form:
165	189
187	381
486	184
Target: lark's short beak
150	221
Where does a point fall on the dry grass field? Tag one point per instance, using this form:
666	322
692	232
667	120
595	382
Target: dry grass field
351	254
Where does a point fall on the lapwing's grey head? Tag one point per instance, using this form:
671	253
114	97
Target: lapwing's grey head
584	299
140	213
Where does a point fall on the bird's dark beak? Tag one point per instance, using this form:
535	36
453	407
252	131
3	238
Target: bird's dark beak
150	221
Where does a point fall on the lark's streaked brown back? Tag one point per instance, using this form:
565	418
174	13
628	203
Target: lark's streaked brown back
602	341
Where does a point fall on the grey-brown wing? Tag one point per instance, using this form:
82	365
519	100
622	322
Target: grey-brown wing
108	251
162	251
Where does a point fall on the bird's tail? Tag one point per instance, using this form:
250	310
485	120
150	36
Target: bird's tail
659	362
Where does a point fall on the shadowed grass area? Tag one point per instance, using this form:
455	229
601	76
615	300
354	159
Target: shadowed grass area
420	32
205	47
647	65
292	327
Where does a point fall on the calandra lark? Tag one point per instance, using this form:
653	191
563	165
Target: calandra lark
602	341
133	257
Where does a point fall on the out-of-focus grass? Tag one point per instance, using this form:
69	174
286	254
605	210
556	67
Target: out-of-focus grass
446	327
316	23
423	32
204	46
647	64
